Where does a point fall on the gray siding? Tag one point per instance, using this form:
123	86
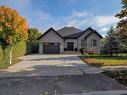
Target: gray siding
51	37
93	48
82	37
88	42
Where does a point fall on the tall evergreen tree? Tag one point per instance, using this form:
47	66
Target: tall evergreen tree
111	45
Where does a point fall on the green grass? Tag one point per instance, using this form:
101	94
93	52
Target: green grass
105	60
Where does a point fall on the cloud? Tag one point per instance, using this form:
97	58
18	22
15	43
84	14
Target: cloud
79	14
105	20
87	20
83	19
77	18
103	31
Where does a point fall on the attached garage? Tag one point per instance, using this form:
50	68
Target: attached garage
51	48
51	42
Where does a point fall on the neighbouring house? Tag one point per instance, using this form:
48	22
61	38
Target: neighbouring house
69	39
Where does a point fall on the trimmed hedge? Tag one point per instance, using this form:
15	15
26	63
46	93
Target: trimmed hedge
32	47
18	50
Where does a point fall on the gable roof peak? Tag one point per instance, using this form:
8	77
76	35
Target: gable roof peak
89	28
50	29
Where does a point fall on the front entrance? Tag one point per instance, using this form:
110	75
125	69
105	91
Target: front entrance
70	46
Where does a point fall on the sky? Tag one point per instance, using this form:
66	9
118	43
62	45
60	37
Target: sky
43	14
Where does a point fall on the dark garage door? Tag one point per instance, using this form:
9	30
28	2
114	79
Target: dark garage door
51	48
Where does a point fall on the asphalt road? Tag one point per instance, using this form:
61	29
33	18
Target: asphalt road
58	85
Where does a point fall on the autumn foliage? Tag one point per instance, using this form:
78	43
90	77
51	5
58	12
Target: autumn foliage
13	27
122	25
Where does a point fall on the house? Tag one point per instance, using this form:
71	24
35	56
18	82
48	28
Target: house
69	39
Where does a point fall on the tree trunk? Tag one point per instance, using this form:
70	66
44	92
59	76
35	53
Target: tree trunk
10	54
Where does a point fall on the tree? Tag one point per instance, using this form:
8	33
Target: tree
32	42
13	27
4	46
111	45
122	25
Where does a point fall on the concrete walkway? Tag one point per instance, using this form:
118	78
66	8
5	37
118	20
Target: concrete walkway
49	65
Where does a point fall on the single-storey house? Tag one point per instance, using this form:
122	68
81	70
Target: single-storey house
69	39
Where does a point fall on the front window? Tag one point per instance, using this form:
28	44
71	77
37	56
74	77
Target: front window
82	42
94	42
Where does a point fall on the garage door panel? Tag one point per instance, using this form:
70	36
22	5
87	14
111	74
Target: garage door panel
51	48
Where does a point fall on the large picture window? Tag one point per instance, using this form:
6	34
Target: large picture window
94	42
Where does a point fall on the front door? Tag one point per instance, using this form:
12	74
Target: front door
70	46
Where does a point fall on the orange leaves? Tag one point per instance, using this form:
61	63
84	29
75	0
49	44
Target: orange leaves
7	24
12	22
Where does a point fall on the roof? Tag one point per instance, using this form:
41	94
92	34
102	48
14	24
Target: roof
49	31
73	36
65	31
76	33
94	31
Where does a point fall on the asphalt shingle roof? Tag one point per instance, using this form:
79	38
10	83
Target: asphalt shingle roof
65	31
76	35
72	32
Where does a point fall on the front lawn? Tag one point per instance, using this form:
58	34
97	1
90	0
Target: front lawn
105	60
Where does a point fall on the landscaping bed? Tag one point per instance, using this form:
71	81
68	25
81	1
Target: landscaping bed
119	76
105	60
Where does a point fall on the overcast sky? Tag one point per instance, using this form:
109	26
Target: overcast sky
43	14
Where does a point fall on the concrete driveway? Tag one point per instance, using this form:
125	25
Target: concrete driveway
57	75
48	65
